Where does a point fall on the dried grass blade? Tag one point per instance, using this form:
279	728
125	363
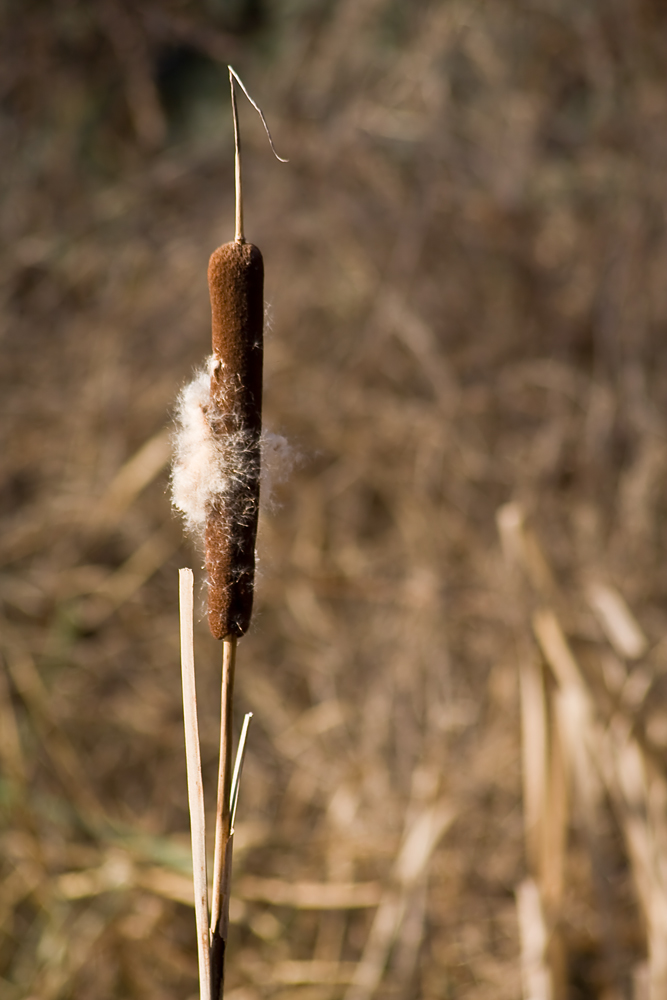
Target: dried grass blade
311	895
133	477
617	621
11	751
28	682
554	645
124	582
238	769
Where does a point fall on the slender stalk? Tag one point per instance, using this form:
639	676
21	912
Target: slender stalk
195	784
238	236
222	857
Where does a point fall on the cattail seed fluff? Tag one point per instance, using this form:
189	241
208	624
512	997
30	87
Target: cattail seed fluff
236	286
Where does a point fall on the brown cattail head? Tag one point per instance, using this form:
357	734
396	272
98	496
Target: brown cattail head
236	285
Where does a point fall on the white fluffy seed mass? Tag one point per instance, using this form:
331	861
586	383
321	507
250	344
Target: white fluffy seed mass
198	472
207	468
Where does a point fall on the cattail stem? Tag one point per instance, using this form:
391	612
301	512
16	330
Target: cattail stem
222	856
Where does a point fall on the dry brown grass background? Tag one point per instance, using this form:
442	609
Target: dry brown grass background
466	261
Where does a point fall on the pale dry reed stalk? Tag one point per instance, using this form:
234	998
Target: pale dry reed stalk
195	784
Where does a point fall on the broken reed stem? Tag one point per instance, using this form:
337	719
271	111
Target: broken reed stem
195	784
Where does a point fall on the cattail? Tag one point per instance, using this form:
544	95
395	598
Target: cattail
215	483
236	285
216	476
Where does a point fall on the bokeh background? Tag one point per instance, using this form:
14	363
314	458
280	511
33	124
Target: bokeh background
466	263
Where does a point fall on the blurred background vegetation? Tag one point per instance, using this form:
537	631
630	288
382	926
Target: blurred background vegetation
467	307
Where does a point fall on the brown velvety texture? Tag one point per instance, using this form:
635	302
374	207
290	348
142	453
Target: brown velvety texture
236	285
